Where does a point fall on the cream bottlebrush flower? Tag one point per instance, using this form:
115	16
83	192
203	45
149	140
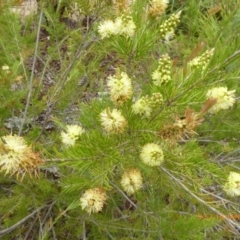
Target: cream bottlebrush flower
122	5
225	98
107	28
120	87
157	7
131	181
168	27
15	143
232	186
17	157
143	107
93	200
113	121
202	61
152	154
72	134
163	73
5	68
125	26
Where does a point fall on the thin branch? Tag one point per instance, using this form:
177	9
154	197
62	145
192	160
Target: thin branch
32	75
12	228
216	196
125	195
43	223
230	154
234	226
84	231
30	229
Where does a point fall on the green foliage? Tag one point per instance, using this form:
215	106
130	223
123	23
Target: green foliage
54	72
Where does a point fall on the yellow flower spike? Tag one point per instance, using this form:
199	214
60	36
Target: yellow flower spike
168	27
202	61
145	105
163	73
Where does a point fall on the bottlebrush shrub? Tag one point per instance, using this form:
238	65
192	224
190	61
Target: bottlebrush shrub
133	165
